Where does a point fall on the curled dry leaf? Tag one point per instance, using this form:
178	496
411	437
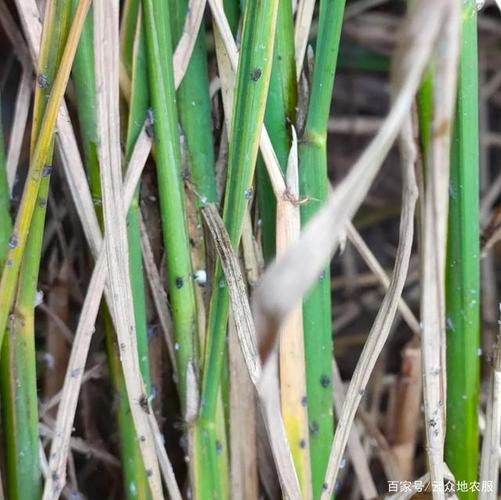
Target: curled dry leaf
265	380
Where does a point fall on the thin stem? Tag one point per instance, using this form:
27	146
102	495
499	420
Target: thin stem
139	98
41	153
174	222
279	117
194	108
135	480
463	274
252	83
19	393
313	183
138	106
170	186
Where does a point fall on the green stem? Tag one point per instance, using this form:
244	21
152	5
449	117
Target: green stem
137	112
136	479
19	391
5	369
233	12
194	108
170	186
252	81
134	475
279	117
19	383
37	171
462	278
175	228
313	183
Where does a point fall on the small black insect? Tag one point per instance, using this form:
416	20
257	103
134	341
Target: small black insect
43	81
219	448
325	381
13	241
255	74
47	170
314	428
143	403
179	282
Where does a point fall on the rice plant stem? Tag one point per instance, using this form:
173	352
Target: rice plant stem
134	475
463	273
19	394
40	155
252	82
138	106
175	228
279	116
232	9
313	185
139	99
194	108
170	186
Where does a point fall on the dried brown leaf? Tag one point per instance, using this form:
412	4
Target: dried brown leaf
265	380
